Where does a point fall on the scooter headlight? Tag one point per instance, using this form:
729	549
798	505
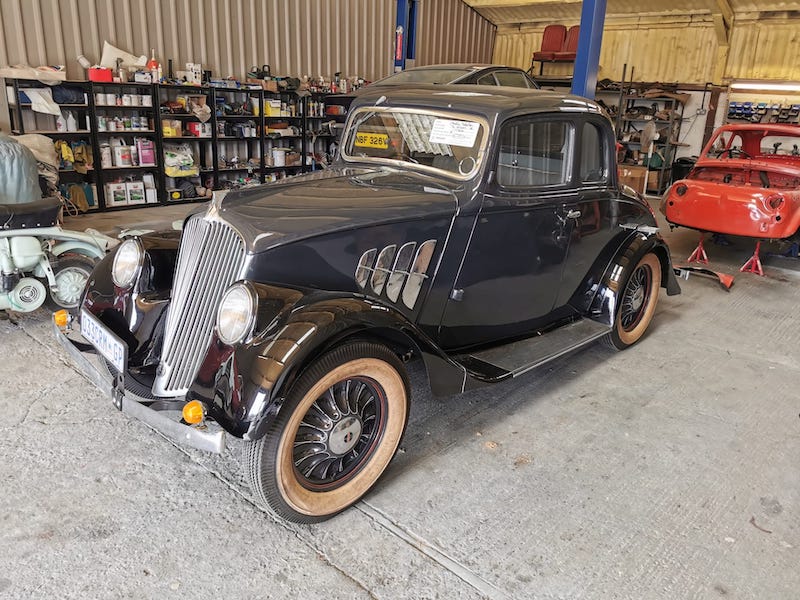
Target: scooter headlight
127	263
236	314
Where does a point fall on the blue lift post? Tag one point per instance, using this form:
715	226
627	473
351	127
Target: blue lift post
587	60
405	33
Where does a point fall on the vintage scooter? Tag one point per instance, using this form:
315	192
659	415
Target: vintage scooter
42	263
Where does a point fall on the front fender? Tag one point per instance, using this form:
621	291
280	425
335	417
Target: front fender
244	387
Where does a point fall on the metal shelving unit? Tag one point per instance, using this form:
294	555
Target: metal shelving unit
305	113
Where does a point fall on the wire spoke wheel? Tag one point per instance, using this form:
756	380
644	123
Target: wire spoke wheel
334	436
636	303
635	297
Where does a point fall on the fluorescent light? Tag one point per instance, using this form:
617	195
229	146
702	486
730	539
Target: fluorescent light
766	86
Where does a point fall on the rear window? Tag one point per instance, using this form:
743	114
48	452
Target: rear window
512	78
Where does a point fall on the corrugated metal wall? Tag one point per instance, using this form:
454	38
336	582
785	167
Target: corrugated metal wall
295	37
450	31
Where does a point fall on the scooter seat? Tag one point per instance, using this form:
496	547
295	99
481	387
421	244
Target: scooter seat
41	213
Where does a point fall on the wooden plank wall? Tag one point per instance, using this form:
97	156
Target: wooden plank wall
675	49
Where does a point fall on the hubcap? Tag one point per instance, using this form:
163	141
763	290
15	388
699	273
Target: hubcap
70	284
339	433
634	300
344	435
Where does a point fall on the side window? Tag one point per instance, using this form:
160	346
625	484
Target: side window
486	80
592	165
535	153
511	78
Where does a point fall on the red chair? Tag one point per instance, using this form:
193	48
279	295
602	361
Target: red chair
552	41
570	49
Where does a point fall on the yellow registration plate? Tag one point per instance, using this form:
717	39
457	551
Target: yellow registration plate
372	140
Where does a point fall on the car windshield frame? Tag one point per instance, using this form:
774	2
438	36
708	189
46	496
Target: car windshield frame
449	137
732	142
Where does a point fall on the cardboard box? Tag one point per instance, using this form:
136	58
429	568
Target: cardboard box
272	108
122	156
269	85
633	176
171	128
116	194
194	73
199	129
656	180
147	152
135	191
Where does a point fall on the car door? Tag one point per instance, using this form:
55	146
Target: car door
510	281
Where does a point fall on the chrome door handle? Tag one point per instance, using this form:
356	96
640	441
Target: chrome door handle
574	214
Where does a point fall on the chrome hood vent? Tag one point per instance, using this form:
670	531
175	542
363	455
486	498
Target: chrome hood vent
392	271
211	257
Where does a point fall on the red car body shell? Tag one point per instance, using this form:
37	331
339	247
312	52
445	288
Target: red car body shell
740	190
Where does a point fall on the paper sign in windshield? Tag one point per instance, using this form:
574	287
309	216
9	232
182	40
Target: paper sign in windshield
454	133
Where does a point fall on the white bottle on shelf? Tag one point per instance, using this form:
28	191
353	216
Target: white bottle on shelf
72	124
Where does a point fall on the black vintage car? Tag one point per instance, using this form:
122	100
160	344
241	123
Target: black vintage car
484	232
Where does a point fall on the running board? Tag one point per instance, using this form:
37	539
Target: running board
516	358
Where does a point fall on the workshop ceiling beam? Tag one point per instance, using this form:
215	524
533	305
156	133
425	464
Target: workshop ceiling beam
722	17
518	3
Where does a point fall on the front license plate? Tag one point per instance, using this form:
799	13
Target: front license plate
373	140
107	344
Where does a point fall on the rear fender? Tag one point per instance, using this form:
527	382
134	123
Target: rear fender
90	250
603	305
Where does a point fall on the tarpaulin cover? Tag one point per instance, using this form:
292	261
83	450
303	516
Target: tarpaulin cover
19	178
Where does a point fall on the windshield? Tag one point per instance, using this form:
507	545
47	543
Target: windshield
431	140
754	144
424	76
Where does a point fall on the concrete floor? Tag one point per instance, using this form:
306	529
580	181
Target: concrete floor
668	471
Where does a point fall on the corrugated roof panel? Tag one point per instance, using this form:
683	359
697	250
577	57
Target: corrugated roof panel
508	12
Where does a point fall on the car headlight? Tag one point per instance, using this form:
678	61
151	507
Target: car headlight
127	263
236	314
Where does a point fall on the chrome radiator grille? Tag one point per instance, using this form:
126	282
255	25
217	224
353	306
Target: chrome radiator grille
210	258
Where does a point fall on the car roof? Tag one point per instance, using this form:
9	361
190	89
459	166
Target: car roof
488	101
465	66
463	70
768	128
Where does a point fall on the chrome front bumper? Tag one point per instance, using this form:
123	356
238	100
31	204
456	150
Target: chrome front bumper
178	432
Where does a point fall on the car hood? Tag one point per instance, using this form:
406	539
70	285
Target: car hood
333	200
